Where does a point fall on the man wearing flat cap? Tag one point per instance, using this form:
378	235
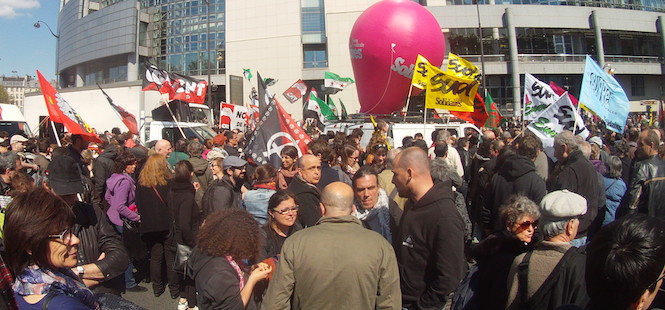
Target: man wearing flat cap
553	273
226	193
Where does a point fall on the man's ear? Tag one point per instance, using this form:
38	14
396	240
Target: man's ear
639	304
323	208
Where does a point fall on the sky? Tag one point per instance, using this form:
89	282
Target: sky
24	48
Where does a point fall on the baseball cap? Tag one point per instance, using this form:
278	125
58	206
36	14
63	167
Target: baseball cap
64	176
233	162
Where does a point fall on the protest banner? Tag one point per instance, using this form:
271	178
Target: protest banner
538	96
603	95
461	67
449	92
421	74
233	117
559	116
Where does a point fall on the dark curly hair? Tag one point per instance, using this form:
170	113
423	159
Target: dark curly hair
231	232
124	159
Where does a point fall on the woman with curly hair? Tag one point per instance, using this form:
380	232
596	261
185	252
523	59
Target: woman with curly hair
225	241
156	221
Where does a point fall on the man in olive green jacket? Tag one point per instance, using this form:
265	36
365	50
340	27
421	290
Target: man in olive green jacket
336	264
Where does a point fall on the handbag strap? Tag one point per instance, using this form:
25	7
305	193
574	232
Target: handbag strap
158	195
522	278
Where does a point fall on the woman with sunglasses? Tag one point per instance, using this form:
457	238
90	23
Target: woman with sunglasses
41	251
494	255
282	222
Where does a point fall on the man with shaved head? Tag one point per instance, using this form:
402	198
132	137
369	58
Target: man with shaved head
163	147
303	186
430	237
337	264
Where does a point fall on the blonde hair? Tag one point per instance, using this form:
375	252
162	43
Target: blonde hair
155	171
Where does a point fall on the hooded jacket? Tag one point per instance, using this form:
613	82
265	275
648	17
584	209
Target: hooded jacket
186	214
221	194
120	194
202	175
517	175
430	249
102	168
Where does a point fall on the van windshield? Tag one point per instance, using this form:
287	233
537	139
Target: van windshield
204	132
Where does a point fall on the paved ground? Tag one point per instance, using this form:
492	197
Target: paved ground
148	300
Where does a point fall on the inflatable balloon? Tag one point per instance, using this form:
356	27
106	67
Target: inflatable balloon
385	42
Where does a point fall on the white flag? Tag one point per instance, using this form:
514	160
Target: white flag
559	116
537	96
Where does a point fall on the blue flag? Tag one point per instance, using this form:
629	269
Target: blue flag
603	95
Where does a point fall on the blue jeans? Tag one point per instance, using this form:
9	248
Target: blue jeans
130	282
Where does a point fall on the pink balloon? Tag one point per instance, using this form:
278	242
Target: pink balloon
385	42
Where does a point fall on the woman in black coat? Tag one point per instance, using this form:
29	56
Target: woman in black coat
156	222
187	219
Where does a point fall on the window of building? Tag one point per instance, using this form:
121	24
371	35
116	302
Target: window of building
465	41
555	41
637	86
315	56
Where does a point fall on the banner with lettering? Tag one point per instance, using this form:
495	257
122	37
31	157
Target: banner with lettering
461	67
449	92
559	116
421	73
538	96
603	95
234	117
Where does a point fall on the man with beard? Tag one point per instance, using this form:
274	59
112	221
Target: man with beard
226	193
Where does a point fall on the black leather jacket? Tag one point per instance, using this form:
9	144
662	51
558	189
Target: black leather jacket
98	236
647	187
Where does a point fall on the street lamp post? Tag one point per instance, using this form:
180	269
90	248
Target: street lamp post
37	25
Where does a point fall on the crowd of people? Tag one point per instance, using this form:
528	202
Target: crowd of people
480	221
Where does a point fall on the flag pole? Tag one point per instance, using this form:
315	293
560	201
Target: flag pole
408	100
166	102
55	132
425	119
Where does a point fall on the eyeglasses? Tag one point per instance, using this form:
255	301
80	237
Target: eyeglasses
286	211
526	224
65	236
380	146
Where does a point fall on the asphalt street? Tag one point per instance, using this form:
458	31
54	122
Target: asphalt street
148	300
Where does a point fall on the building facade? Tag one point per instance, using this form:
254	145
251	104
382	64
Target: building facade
17	87
106	42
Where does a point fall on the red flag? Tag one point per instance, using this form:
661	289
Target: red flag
478	116
127	118
296	91
494	118
189	89
560	91
61	112
159	80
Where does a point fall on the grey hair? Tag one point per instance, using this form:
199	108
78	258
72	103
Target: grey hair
567	138
390	157
7	161
195	149
551	229
517	207
615	165
585	147
443	136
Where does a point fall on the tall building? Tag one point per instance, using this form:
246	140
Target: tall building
17	87
106	42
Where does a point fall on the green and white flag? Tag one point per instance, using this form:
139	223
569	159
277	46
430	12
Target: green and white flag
333	107
320	107
333	80
247	73
341	104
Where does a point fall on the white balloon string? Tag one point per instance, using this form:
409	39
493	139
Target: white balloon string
390	74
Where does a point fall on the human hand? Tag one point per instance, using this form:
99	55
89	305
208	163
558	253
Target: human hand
197	186
260	271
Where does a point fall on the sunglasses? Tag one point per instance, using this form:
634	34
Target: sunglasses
526	224
65	236
286	211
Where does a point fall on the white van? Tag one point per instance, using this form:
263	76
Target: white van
13	121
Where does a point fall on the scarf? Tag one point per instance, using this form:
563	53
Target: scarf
270	185
236	267
36	281
284	177
377	218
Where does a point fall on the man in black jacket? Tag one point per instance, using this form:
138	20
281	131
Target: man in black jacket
516	175
430	237
226	193
576	174
303	186
102	169
647	186
102	258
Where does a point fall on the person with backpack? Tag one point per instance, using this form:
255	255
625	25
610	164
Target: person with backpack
202	170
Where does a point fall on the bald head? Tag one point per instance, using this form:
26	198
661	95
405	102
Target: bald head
309	168
413	158
163	147
337	199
